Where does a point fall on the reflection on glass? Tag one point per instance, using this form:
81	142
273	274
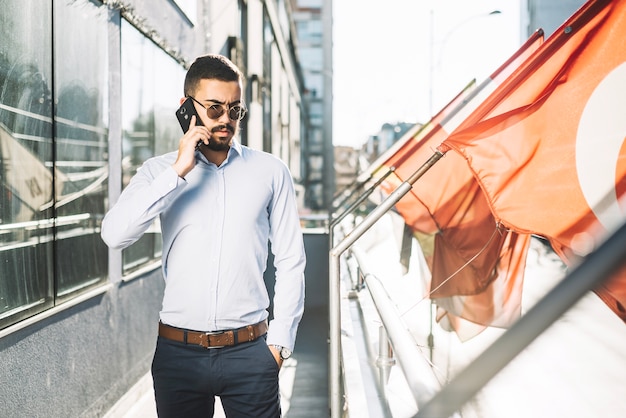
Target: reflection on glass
81	87
152	87
25	156
53	174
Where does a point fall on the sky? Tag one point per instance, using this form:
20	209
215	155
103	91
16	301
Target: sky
382	66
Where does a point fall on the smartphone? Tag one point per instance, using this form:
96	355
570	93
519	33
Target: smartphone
184	114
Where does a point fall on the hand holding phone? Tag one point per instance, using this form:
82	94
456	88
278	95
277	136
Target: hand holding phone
186	160
184	114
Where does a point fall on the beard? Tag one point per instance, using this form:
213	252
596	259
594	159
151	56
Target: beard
218	143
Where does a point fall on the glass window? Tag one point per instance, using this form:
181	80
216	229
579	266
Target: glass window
26	176
81	143
268	41
53	168
314	82
311	58
316	109
309	32
310	3
152	85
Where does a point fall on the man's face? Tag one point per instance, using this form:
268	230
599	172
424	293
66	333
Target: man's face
222	96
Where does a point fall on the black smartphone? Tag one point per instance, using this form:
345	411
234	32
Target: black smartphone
184	113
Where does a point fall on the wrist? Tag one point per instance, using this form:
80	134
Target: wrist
284	352
181	173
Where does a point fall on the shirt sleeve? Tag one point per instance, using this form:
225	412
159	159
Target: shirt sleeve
289	261
149	192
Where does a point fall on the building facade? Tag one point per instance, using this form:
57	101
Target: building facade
313	26
88	91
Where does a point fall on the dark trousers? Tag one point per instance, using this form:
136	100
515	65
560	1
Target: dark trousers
187	378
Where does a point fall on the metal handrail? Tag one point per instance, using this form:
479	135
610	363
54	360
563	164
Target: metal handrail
416	369
334	293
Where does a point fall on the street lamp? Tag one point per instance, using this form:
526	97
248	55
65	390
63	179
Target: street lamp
442	47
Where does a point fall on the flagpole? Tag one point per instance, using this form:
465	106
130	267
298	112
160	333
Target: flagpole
350	190
334	294
361	198
354	188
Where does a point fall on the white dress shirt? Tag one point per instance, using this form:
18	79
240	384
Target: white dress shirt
216	224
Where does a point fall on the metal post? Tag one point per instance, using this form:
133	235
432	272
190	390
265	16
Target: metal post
417	371
385	359
334	291
361	198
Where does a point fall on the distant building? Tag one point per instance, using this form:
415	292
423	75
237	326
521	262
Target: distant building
347	166
546	14
384	139
313	27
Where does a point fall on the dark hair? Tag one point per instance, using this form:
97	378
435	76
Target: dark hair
211	66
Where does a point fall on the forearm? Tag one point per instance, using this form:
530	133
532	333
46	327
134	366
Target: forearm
288	311
140	203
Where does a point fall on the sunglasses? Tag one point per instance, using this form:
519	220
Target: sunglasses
235	112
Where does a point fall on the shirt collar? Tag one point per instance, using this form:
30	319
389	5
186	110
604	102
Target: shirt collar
236	146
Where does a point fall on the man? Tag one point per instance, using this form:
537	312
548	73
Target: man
219	204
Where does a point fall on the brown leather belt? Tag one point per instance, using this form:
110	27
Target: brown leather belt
215	339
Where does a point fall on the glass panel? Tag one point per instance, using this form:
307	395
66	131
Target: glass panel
152	85
314	83
311	57
266	100
309	32
310	3
81	123
26	175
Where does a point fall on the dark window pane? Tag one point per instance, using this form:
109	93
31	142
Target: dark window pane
81	122
26	175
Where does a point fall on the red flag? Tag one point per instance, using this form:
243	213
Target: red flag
548	145
498	304
470	255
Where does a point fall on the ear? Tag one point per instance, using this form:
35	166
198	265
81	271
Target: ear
182	100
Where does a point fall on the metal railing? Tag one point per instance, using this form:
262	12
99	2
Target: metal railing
417	370
433	400
334	291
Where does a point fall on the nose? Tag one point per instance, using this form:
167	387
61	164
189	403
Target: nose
224	117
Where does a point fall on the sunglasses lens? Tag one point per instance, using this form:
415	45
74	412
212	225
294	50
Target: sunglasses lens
214	111
236	113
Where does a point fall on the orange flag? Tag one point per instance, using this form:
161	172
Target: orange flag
547	147
468	253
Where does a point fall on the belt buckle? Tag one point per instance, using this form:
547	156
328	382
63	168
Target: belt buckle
208	339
